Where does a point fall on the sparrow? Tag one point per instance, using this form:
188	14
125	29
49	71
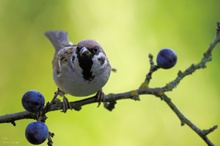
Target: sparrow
78	69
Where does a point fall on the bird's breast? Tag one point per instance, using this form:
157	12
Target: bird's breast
73	83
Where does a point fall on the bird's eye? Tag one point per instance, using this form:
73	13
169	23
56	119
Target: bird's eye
95	49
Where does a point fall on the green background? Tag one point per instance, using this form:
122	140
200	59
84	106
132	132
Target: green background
128	31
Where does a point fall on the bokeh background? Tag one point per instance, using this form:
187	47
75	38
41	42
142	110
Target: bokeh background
128	31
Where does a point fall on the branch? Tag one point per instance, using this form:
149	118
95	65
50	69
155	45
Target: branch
201	65
110	99
202	133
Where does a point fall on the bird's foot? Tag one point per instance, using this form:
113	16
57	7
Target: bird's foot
66	105
100	96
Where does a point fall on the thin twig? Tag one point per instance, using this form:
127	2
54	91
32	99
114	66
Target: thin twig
202	133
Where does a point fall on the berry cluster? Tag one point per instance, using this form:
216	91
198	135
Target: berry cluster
36	132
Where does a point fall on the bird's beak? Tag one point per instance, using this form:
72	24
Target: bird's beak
85	52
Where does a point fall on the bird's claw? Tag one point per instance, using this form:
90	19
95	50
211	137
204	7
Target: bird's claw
66	105
100	96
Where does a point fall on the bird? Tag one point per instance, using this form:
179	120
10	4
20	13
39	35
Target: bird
80	69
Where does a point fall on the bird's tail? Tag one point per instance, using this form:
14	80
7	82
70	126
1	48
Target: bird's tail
59	39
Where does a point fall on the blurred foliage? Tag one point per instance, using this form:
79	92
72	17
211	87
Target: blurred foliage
128	31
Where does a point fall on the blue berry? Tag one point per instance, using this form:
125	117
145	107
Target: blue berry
36	132
166	58
33	101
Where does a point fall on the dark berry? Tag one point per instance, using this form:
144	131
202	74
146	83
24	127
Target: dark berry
166	58
33	101
36	132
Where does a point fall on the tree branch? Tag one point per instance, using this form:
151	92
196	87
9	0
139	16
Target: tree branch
110	99
202	133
